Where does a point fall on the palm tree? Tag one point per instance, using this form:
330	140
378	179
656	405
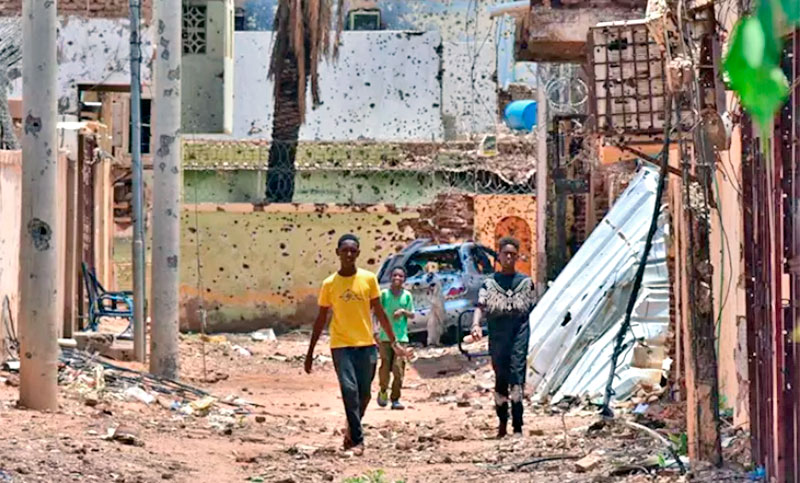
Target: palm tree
302	38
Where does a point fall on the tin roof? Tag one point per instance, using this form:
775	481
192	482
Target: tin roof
574	325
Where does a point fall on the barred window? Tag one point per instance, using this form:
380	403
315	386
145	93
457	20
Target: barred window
194	29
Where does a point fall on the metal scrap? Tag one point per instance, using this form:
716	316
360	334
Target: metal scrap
574	325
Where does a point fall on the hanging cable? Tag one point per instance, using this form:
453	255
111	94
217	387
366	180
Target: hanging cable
637	281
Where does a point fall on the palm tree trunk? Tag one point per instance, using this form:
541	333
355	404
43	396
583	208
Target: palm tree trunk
286	122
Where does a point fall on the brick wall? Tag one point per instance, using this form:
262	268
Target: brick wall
89	8
449	219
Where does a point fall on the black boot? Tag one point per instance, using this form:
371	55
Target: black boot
516	417
502	415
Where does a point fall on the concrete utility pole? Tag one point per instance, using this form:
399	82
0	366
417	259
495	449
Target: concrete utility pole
167	187
38	308
139	299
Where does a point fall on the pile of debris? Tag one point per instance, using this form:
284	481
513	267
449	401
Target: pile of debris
97	381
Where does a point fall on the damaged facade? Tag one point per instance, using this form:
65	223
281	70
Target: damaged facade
627	76
389	193
393	135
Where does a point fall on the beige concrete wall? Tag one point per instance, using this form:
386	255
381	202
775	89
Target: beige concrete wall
263	266
727	257
10	213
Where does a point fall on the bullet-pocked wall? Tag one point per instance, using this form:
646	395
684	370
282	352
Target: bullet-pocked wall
498	216
467	49
92	52
93	49
261	266
206	66
384	86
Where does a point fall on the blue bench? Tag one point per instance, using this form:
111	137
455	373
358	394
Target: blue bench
103	303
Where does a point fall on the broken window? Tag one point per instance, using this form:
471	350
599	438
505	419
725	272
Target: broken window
364	19
441	261
484	261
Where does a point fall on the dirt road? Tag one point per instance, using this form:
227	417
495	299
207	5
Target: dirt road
294	432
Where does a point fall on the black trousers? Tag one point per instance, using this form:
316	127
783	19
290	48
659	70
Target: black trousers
508	346
355	369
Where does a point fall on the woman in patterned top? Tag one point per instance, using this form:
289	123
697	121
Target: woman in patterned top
506	300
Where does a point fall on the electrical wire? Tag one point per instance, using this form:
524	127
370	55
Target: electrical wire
637	282
724	242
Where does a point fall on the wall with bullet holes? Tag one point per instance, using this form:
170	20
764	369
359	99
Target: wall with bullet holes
92	52
262	266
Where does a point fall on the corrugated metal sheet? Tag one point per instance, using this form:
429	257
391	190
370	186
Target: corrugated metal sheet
574	324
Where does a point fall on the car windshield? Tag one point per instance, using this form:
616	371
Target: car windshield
442	261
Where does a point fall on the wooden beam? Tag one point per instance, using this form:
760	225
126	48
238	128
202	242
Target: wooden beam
61	237
103	222
72	251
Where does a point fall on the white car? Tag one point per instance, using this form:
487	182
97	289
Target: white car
441	276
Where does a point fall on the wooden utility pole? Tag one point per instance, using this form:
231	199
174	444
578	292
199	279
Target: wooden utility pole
38	308
164	359
541	185
702	384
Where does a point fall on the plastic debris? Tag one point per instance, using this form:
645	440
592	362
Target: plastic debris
124	435
264	335
758	474
202	406
139	394
241	351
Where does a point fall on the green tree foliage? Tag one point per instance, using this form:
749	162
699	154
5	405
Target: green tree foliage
753	61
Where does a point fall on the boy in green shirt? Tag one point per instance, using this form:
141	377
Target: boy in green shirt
399	307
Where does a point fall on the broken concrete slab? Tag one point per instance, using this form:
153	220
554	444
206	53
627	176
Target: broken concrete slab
588	463
93	341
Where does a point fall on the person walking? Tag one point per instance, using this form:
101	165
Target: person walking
399	307
351	293
506	300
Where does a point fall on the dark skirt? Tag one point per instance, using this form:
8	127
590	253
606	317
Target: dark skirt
508	346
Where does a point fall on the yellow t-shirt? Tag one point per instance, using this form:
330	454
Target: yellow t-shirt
349	298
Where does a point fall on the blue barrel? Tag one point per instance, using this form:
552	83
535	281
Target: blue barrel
521	115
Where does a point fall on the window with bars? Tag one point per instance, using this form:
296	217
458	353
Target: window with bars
195	20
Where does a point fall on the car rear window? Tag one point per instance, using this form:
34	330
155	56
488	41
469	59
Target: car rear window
444	261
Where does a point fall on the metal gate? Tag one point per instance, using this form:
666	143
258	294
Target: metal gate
771	196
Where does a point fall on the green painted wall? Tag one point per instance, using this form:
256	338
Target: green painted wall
404	174
343	186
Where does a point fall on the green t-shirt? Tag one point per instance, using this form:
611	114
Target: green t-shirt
390	305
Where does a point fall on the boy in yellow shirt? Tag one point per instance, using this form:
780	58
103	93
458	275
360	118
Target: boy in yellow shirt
351	293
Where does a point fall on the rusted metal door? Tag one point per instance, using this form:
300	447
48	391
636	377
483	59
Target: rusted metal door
771	196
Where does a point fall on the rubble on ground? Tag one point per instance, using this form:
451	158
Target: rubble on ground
268	421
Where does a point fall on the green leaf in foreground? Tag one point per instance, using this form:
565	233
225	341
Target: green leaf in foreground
754	73
792	10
